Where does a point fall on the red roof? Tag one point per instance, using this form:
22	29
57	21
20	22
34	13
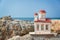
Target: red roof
35	14
42	11
46	21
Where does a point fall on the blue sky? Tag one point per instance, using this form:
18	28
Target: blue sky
27	8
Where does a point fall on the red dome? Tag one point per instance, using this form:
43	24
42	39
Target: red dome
42	11
35	14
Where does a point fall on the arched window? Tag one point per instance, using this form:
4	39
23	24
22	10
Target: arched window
37	27
42	26
46	27
42	16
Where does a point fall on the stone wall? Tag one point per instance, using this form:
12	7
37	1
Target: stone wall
46	38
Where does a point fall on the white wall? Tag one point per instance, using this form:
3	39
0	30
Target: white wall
35	27
42	18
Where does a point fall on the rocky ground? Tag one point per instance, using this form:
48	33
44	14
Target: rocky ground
26	37
10	27
55	25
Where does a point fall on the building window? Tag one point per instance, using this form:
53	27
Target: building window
42	26
43	16
37	27
46	27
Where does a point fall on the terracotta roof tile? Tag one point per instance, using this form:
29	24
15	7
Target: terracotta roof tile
46	21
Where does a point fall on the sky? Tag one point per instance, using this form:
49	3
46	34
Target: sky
27	8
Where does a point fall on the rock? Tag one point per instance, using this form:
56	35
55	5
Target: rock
26	37
23	32
30	28
7	18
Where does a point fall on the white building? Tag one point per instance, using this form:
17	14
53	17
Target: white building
42	25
